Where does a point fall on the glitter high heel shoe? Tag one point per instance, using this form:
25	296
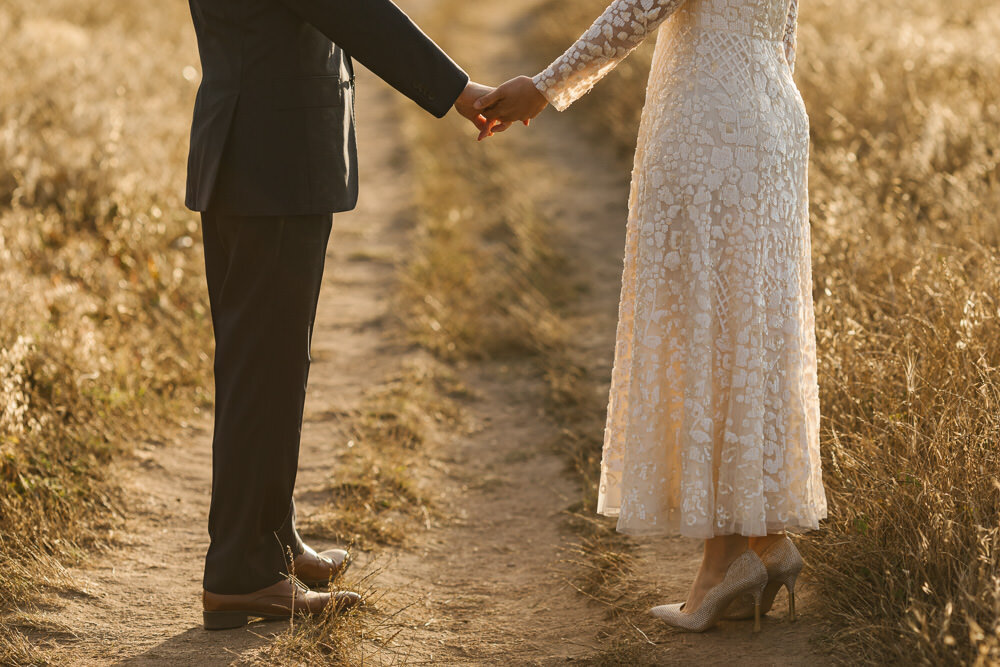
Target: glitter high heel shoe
784	563
745	576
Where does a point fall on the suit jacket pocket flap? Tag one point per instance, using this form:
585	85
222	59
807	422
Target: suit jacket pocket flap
308	91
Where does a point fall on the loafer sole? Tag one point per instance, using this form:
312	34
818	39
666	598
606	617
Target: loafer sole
227	620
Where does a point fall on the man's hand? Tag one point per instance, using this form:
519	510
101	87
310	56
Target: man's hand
516	100
464	105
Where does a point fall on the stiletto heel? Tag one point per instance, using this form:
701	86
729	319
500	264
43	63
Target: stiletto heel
790	585
756	612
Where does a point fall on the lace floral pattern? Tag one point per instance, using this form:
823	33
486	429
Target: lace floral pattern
791	32
713	415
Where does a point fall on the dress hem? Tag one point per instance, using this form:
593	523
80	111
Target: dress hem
675	530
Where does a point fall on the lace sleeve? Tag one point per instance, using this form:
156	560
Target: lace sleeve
791	30
622	27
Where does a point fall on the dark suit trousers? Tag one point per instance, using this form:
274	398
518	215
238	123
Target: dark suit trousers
264	276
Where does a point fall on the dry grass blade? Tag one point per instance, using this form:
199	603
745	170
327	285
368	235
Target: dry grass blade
377	493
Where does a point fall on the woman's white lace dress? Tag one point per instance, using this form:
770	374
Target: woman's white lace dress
713	416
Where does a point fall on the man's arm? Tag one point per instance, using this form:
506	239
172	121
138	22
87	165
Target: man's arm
384	39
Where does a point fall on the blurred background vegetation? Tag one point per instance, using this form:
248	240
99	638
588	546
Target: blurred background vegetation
104	331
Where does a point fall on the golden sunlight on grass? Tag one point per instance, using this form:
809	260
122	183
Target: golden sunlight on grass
378	491
483	274
102	327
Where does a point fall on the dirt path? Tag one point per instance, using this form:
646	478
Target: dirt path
582	186
484	582
479	586
144	605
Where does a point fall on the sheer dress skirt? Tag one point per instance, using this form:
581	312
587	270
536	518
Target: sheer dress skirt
713	415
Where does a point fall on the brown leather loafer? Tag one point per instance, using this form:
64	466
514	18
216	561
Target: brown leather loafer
319	569
279	601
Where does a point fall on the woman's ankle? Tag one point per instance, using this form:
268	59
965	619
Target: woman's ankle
723	550
760	544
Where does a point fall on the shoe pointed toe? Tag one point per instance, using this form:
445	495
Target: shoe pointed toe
666	611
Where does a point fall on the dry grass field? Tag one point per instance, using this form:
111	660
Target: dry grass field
105	336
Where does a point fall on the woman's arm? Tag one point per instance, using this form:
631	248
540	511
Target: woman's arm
624	25
620	29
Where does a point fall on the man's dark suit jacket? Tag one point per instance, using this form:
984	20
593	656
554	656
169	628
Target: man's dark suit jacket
273	130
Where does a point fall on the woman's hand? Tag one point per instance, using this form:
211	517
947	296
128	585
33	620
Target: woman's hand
516	100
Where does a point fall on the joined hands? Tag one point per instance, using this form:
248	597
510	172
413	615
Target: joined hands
465	104
494	110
